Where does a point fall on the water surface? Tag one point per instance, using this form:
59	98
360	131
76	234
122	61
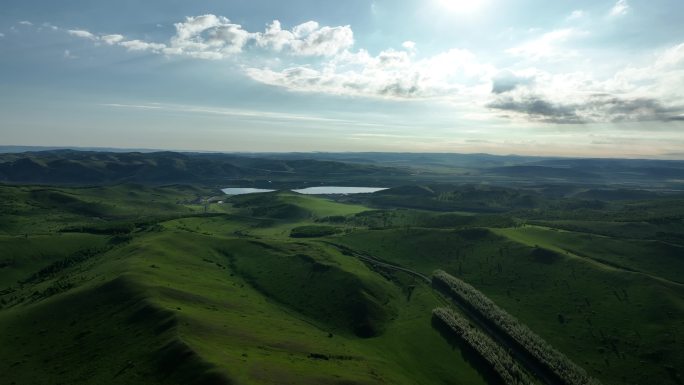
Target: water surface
319	190
243	190
324	190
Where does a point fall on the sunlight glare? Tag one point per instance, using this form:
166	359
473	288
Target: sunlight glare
461	6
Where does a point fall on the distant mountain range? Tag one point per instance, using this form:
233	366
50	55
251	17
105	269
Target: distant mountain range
67	166
90	167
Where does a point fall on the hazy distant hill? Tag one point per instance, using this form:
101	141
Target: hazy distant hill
85	167
364	169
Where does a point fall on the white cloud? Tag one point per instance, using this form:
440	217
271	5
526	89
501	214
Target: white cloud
194	26
409	45
325	41
455	76
2	35
672	57
390	74
207	37
216	37
651	93
306	39
50	26
69	55
139	45
619	9
112	39
548	46
24	22
82	34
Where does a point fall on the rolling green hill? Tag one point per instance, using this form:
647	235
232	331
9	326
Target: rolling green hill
189	301
177	284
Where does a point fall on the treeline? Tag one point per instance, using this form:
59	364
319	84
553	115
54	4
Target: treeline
52	269
497	357
313	231
556	362
122	227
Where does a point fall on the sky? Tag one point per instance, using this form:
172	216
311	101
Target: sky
590	78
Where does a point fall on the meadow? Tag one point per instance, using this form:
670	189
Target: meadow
129	283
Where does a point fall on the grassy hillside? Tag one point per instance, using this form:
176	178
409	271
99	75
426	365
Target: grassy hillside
137	284
196	299
623	327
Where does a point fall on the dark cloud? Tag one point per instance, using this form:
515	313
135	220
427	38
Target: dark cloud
539	109
506	81
597	108
634	109
399	90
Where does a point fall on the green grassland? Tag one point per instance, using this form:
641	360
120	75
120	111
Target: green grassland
187	297
621	326
132	284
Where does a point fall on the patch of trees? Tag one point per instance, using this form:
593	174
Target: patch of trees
496	356
110	228
54	289
313	231
57	266
332	219
554	361
124	227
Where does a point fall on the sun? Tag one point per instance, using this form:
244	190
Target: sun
461	6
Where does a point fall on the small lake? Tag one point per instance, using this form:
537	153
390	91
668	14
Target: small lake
320	190
243	190
324	190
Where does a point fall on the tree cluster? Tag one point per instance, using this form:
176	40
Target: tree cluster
497	357
556	362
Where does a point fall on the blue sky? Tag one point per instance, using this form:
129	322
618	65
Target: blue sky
571	78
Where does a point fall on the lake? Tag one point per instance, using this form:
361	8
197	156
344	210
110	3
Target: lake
243	190
324	190
320	190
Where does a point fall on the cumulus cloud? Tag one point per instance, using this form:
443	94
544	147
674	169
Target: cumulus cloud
650	93
216	37
322	59
390	74
307	39
207	37
619	9
139	45
112	39
25	22
82	34
409	45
